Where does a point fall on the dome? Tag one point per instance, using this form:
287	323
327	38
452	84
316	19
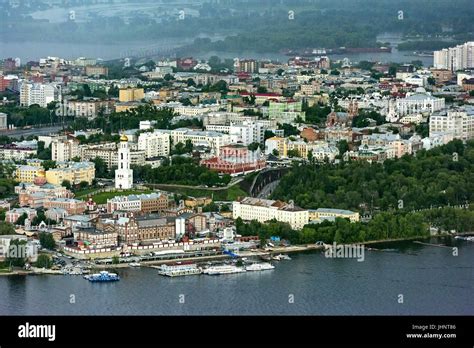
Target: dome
123	137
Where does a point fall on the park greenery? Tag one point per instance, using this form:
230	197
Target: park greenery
181	170
383	226
438	177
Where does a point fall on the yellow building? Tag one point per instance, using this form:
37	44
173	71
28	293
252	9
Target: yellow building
331	214
123	107
131	94
300	146
74	172
277	143
28	174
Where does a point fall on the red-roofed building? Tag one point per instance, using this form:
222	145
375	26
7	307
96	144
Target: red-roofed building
235	159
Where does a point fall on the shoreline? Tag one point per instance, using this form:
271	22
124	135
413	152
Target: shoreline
260	252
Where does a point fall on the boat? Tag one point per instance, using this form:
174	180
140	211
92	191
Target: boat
103	276
223	269
263	266
281	257
134	264
469	239
179	270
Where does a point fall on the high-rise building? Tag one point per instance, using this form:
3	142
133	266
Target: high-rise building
123	175
248	66
131	94
39	93
64	148
154	144
455	58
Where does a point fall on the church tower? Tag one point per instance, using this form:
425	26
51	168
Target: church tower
123	174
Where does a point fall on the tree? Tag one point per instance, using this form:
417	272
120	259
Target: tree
275	153
66	184
253	146
6	228
21	219
83	184
47	241
310	156
49	164
343	147
43	261
100	168
293	153
115	260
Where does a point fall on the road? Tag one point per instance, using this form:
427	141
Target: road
18	133
267	190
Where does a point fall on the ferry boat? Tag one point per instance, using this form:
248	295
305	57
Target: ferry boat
103	276
224	269
263	266
179	270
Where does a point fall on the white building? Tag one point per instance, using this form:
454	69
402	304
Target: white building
415	103
458	122
264	210
39	93
3	121
64	148
213	140
154	144
247	132
123	175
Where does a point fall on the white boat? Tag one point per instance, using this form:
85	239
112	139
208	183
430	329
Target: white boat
281	257
263	266
224	269
134	264
179	270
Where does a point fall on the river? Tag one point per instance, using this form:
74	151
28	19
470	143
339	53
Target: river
431	280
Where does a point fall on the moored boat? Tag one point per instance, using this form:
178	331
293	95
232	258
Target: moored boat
103	276
223	269
263	266
179	270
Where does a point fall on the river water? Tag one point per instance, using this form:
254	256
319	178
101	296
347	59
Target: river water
427	280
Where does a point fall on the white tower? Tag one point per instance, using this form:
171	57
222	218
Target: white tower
123	175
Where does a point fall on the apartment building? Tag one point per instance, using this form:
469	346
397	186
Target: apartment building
64	148
263	210
39	93
458	122
154	144
74	172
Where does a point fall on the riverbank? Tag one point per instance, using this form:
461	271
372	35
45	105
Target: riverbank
242	254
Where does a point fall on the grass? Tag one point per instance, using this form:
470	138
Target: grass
84	193
229	194
101	198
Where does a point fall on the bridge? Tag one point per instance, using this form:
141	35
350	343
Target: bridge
266	181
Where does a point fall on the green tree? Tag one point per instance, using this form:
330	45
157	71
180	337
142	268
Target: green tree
21	219
115	260
48	164
6	228
47	241
43	261
66	184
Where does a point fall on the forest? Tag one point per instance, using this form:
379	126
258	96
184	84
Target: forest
439	177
